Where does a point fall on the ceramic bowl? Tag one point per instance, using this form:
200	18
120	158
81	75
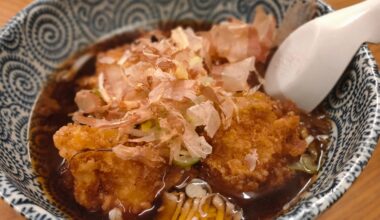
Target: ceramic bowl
43	35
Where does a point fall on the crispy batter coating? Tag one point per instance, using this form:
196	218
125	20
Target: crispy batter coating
103	181
73	138
262	126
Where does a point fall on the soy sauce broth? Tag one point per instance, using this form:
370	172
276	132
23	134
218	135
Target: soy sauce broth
56	103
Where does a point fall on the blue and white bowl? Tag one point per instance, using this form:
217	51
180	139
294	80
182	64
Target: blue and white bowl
42	36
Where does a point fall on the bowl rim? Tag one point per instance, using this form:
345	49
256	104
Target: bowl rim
317	211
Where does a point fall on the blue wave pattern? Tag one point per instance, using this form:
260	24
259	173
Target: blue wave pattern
49	33
41	37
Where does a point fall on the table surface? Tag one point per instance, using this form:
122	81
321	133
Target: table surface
360	202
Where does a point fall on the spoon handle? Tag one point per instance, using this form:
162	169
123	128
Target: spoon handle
373	21
360	21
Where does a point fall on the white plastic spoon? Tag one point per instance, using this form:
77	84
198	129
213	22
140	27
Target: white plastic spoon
310	61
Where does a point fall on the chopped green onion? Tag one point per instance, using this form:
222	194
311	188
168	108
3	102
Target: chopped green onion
309	164
297	166
96	92
147	126
305	164
185	161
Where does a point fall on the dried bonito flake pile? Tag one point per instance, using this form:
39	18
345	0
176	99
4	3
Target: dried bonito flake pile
160	91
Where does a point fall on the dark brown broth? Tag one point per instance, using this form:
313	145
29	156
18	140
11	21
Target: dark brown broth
52	112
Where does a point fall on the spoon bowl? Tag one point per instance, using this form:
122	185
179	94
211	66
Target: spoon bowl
311	60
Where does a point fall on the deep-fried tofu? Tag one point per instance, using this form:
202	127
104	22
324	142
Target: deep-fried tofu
261	127
102	180
73	138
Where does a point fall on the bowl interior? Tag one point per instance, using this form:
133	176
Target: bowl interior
40	38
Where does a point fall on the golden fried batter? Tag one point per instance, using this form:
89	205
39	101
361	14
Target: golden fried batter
103	181
73	138
261	126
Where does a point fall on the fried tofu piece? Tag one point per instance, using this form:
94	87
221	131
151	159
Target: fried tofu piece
263	128
72	138
102	180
